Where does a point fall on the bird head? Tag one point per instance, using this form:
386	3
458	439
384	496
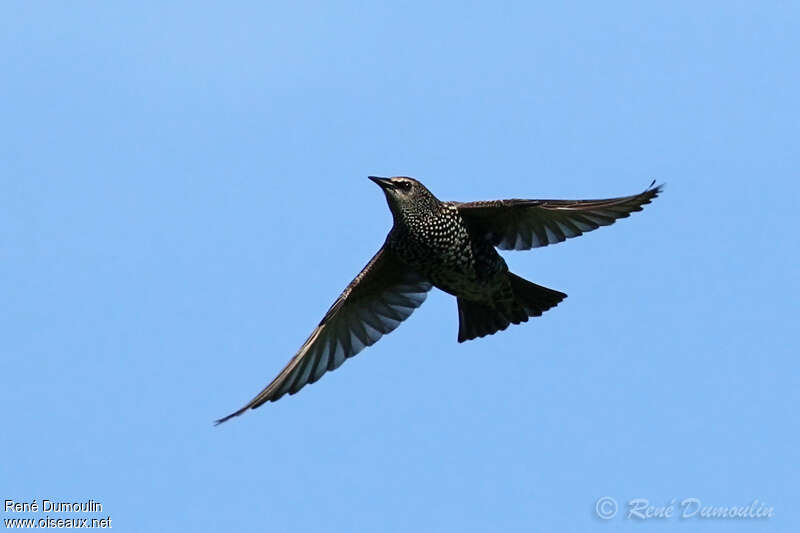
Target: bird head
406	196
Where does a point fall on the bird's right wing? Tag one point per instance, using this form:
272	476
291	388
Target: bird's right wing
526	224
383	294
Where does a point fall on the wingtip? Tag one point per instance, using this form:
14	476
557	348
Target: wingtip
652	191
232	415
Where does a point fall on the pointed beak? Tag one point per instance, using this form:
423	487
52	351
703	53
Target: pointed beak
383	183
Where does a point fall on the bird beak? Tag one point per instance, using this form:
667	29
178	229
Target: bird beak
383	183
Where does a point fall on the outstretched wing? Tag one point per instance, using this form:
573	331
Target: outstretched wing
383	294
526	224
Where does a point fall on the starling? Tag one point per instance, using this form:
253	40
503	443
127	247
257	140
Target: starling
451	246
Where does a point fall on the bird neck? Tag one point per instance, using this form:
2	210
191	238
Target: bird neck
420	209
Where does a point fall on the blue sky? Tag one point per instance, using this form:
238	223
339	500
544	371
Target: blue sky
184	194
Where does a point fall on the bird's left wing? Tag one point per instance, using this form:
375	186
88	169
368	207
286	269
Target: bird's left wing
526	224
383	294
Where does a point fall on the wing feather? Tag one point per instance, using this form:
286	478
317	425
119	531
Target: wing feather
525	224
383	294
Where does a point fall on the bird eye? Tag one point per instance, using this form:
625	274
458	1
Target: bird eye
404	185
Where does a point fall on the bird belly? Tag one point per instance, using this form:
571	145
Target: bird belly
467	287
459	268
481	282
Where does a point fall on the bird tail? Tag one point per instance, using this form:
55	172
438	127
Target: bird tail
478	319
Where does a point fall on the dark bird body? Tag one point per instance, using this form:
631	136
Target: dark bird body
451	246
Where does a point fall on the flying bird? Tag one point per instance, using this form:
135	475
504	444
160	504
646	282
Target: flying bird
451	246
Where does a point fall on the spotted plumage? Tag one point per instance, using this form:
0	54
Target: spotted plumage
451	246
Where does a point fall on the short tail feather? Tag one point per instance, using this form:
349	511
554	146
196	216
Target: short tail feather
478	319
